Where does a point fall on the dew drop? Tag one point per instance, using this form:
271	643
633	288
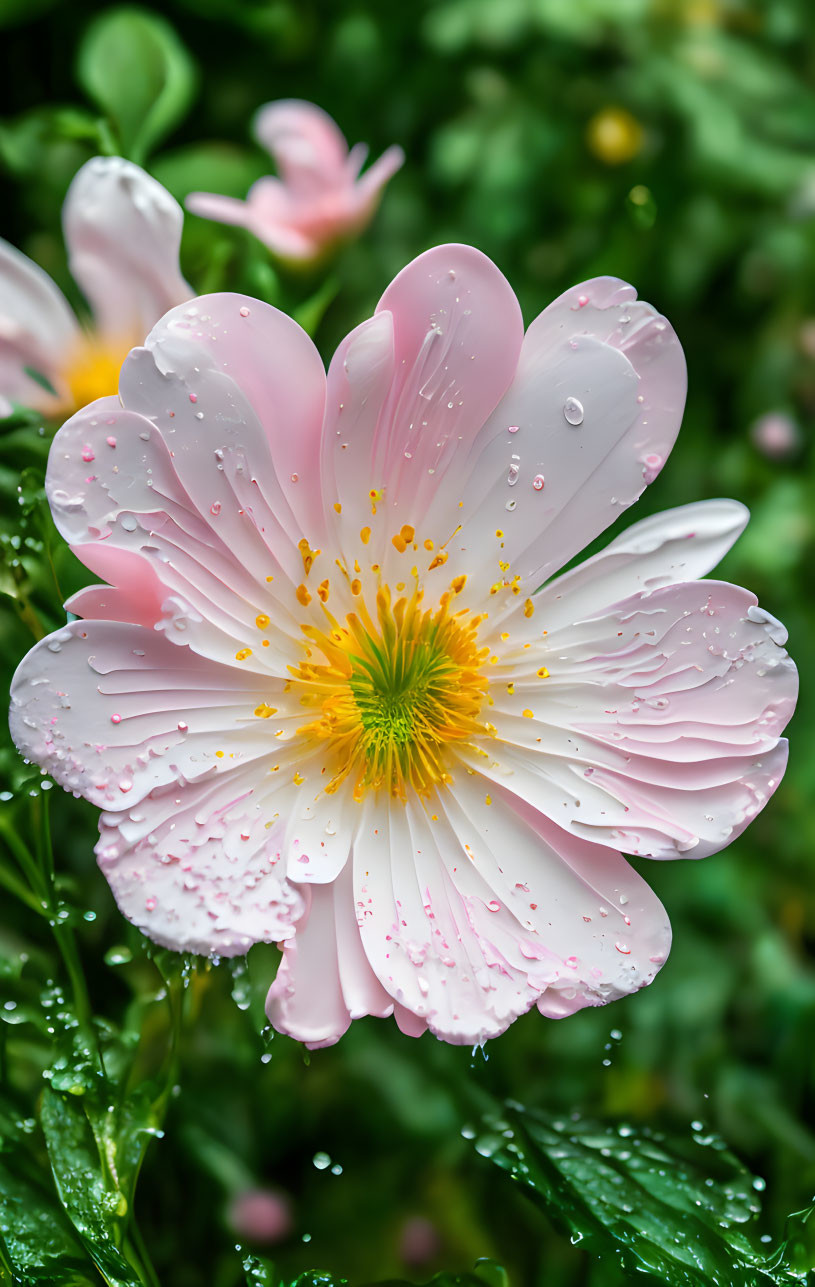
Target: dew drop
115	719
513	428
623	949
537	482
129	522
573	411
88	453
215	508
193	397
244	312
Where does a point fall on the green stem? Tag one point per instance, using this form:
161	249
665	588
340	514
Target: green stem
138	1248
63	935
26	861
15	886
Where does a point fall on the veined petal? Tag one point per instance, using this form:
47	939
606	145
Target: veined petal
476	907
123	233
409	390
230	372
324	980
677	545
588	421
198	870
113	711
652	725
37	330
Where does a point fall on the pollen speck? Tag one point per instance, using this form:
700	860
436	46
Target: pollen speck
242	654
365	535
528	714
302	595
529	608
261	621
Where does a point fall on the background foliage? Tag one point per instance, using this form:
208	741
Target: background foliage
670	142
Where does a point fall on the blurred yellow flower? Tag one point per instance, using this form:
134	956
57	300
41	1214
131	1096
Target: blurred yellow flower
614	136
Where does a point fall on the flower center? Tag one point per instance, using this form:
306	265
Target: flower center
390	697
92	370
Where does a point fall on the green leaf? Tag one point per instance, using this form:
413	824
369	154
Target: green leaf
36	1241
135	68
681	1211
88	1184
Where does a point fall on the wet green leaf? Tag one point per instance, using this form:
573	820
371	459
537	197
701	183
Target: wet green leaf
37	1245
135	68
84	1164
681	1210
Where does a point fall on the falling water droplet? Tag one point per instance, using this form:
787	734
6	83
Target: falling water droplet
573	411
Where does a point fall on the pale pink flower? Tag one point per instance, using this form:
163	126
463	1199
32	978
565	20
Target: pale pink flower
776	435
122	232
262	1215
320	197
322	700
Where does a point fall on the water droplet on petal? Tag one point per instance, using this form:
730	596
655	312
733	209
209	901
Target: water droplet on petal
537	482
573	411
244	312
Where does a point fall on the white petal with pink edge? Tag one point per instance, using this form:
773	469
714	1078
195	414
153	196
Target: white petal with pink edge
123	234
37	330
199	870
592	412
471	914
653	725
324	980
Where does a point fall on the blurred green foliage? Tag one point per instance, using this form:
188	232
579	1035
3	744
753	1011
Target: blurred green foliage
670	142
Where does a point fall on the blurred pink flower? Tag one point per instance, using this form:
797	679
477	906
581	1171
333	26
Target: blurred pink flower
122	231
319	197
776	435
419	1242
323	701
261	1215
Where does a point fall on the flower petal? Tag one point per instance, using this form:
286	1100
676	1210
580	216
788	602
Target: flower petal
306	144
656	724
469	916
371	183
197	869
135	593
589	419
409	390
113	711
231	372
676	545
324	980
37	330
123	233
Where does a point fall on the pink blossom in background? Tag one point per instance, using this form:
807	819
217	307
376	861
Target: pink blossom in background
322	700
122	232
319	198
263	1216
776	435
419	1242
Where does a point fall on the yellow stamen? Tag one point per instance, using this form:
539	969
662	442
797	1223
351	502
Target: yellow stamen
391	695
